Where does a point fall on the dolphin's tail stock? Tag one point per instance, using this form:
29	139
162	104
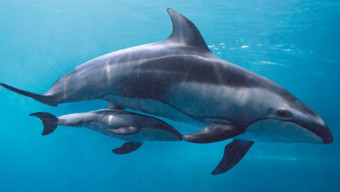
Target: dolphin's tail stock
48	100
49	121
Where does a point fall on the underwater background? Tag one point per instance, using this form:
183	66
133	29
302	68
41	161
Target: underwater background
294	43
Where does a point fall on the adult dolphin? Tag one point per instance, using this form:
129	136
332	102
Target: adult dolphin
182	80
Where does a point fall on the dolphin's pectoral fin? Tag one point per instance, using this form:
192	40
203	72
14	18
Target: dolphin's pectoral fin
124	130
214	132
127	148
233	153
114	106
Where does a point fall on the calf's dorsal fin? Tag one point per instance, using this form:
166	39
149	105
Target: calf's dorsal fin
114	106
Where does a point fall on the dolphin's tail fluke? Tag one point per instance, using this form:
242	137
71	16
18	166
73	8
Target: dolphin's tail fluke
48	100
49	121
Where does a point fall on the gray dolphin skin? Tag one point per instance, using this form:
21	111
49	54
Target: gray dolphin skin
182	80
119	124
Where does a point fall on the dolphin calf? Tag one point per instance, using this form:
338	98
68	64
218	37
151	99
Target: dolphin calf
132	127
182	80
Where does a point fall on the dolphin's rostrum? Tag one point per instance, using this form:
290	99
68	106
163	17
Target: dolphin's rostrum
182	80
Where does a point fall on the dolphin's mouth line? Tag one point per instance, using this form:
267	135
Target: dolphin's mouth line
324	135
269	118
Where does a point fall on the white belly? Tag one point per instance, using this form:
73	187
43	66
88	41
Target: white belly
278	131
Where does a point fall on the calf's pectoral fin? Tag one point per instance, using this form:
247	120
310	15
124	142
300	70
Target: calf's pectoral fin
214	132
127	148
233	153
124	131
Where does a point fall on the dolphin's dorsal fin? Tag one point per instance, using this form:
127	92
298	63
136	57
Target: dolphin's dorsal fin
185	32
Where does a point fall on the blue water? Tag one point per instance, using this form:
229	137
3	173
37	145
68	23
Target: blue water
294	42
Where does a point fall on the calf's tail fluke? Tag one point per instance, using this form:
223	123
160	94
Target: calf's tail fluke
48	100
49	121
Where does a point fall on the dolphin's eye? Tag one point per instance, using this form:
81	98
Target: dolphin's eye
284	113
